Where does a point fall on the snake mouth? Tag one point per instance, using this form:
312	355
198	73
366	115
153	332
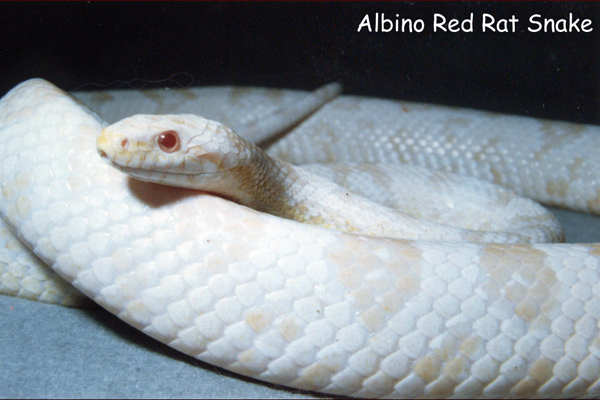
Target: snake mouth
148	175
104	156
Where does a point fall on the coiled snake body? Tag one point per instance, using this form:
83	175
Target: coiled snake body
310	307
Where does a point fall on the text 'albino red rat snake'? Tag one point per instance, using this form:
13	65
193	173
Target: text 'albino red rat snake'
298	304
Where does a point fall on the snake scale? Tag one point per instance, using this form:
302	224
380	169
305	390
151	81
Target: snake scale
304	306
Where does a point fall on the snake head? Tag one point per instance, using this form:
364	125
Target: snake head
166	148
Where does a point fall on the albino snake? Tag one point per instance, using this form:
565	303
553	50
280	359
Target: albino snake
310	307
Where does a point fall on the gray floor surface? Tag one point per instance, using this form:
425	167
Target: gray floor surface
51	351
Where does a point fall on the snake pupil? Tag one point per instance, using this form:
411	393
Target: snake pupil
168	141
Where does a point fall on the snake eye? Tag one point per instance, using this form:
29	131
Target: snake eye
169	142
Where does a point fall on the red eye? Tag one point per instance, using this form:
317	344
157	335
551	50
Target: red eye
168	141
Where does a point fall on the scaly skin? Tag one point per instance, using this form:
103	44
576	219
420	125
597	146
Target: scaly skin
208	156
285	302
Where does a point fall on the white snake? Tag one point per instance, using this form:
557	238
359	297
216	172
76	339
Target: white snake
196	153
309	307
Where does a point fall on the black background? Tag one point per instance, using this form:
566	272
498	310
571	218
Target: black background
94	46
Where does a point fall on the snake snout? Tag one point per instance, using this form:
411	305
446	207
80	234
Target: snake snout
105	145
110	144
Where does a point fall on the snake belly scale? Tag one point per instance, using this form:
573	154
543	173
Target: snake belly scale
304	306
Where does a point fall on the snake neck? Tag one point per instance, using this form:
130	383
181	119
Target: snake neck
261	182
276	187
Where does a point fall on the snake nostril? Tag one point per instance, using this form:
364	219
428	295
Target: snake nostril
124	143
